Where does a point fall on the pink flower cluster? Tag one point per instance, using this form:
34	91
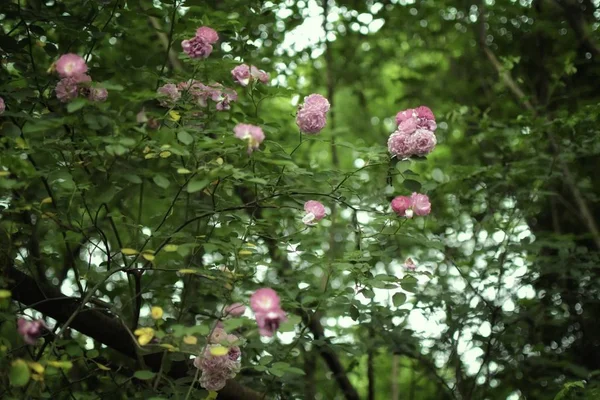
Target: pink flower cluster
216	369
414	135
416	204
315	211
253	134
266	306
30	330
2	106
200	46
74	81
311	117
244	74
198	92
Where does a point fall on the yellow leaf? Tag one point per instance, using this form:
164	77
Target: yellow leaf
37	378
21	144
171	248
190	339
129	252
219	350
146	150
220	161
36	367
156	312
103	367
61	364
187	271
150	155
148	257
5	294
4	173
165	154
245	252
174	115
183	171
212	395
168	346
145	335
46	200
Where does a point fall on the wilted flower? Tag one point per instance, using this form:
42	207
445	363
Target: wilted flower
70	65
169	94
315	211
235	310
268	322
31	331
218	335
98	94
253	134
216	367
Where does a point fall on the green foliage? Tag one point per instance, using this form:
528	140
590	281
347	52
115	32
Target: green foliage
126	205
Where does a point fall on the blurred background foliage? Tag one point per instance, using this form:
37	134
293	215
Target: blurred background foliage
505	301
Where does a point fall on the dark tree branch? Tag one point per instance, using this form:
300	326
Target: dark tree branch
101	326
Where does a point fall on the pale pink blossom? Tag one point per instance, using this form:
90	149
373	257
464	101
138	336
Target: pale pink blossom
315	211
259	74
70	65
244	74
317	102
408	126
31	331
399	145
310	121
2	106
241	74
422	142
264	300
409	264
196	47
420	204
168	95
401	205
235	309
251	133
207	34
404	115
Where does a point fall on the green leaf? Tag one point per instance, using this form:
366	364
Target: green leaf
354	313
185	137
144	375
19	373
398	299
437	175
409	283
76	104
412	185
161	181
197	185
